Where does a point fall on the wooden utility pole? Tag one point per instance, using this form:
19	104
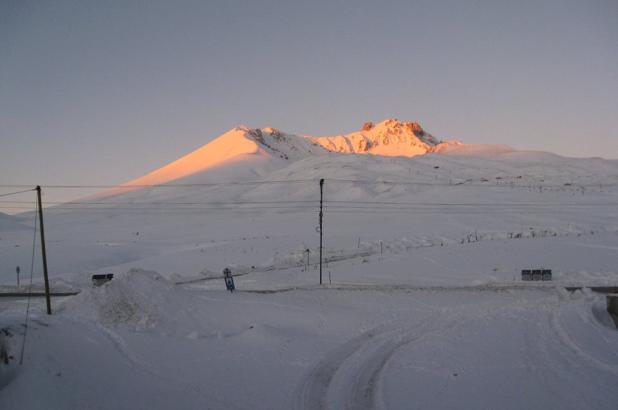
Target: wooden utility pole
307	265
321	215
45	277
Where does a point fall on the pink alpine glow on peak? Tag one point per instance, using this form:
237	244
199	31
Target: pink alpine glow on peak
228	146
390	137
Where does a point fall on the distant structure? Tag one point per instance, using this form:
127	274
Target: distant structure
99	279
536	274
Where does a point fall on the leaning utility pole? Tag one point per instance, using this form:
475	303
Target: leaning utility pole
321	215
45	277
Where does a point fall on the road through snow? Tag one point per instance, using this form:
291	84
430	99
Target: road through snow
354	375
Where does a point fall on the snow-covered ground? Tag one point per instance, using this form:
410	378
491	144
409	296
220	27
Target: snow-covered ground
422	304
141	342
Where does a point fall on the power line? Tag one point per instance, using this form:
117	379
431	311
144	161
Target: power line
15	193
470	183
329	180
493	204
166	202
439	212
194	208
343	209
336	202
296	205
290	181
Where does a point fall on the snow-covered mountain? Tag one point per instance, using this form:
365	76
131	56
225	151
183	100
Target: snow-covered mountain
390	137
423	245
253	182
391	150
257	148
240	144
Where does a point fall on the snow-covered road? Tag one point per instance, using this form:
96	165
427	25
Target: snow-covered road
319	349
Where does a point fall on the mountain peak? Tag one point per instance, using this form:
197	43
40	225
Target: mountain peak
390	137
395	126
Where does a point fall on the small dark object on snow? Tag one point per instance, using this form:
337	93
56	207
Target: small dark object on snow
98	280
229	279
536	274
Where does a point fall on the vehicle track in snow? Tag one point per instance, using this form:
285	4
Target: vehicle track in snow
553	356
571	345
313	391
364	390
358	364
351	375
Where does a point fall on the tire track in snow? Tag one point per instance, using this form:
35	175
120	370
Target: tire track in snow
362	394
538	347
376	347
356	367
571	344
553	356
314	389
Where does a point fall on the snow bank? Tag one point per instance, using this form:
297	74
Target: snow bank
136	300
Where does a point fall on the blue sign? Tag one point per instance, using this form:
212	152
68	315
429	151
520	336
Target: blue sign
229	283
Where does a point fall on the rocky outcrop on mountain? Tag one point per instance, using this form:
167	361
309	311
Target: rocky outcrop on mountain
388	138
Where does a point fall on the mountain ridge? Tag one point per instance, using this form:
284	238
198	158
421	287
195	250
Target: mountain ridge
390	137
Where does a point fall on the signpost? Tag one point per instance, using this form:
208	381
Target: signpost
307	251
229	280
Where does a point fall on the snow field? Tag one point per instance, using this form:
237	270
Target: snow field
332	348
422	305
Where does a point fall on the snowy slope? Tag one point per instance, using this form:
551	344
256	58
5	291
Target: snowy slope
422	301
257	193
9	223
241	144
244	146
141	342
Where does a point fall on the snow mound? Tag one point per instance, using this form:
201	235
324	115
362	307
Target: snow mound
135	300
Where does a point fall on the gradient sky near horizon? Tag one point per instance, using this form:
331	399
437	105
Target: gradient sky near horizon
100	92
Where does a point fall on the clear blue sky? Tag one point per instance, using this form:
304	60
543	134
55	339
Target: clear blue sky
99	92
